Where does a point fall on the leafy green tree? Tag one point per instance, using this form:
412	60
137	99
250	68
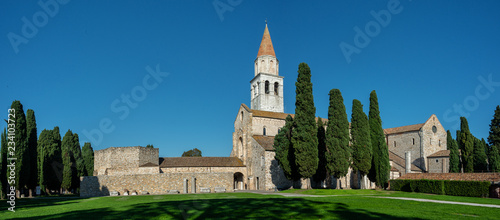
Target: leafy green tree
304	134
32	149
284	150
360	139
52	160
149	146
337	136
67	144
88	158
3	164
460	153
466	144
192	153
379	172
78	167
479	154
21	153
493	158
321	171
451	144
494	136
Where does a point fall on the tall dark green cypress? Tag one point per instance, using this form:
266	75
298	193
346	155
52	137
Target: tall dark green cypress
321	172
52	161
78	168
493	158
66	145
494	136
337	136
360	139
88	158
379	172
44	142
32	148
466	144
304	134
284	150
22	153
3	164
452	146
479	154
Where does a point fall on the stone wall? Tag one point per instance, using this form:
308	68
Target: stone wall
271	124
119	158
256	167
203	169
274	175
433	141
438	164
400	143
159	183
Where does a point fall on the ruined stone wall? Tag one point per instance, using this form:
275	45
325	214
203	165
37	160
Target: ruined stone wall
409	141
123	158
134	170
159	183
275	177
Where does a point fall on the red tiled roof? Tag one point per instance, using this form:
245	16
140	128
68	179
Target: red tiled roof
266	46
200	162
266	114
441	153
403	129
266	142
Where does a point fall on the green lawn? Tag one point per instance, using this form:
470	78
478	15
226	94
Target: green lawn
350	204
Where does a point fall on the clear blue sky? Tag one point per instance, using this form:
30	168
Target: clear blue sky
84	56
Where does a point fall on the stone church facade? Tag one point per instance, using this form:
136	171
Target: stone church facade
251	164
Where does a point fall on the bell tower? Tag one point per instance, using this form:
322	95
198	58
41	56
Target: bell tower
267	85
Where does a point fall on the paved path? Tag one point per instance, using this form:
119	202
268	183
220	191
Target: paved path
440	201
400	198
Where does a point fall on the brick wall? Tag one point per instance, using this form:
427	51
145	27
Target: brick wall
153	183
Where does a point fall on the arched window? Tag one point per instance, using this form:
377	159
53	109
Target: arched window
264	131
241	115
267	87
276	88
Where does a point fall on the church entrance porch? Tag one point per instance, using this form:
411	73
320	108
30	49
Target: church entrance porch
238	181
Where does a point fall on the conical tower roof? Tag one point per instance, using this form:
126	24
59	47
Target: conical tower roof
266	46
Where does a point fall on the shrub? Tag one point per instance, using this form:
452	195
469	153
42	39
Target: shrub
443	187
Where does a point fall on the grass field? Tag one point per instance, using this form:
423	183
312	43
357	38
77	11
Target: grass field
340	204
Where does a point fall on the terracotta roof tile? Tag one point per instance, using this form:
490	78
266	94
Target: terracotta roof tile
200	162
148	165
403	129
266	142
441	153
266	114
266	45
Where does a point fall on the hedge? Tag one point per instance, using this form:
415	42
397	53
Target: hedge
443	187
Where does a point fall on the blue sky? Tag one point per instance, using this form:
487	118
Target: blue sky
76	66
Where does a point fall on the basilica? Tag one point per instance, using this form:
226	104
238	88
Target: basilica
418	148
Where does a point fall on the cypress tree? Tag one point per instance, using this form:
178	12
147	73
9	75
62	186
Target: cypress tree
284	150
88	158
479	154
78	167
304	134
360	139
494	158
494	136
44	142
52	161
466	144
321	171
451	144
32	148
22	153
66	145
3	164
379	172
337	136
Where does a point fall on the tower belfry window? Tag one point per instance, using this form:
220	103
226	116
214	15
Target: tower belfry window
276	87
267	87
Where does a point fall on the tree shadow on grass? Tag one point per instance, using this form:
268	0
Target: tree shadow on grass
247	208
